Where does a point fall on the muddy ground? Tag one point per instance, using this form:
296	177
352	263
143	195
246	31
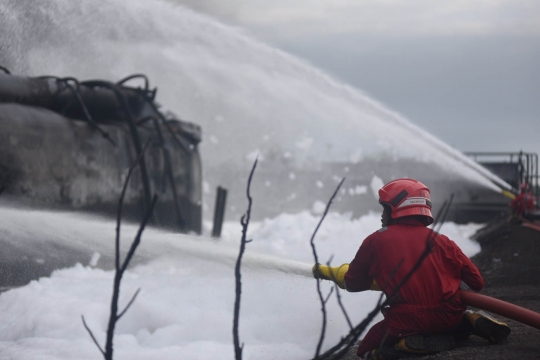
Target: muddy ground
510	264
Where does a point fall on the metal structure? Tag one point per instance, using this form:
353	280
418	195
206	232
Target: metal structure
515	168
68	144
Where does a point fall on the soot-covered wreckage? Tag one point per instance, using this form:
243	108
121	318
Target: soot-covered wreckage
67	144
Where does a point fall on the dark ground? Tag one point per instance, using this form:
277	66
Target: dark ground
510	264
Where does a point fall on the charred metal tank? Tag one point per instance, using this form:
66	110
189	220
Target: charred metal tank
66	144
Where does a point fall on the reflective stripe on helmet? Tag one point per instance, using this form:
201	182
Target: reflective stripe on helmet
402	195
416	201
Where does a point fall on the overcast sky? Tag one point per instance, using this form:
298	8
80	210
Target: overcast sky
468	71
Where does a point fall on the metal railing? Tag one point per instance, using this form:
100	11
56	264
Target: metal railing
525	166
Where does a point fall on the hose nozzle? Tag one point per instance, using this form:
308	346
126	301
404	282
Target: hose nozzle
336	274
332	273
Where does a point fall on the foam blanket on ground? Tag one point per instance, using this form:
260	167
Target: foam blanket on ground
185	308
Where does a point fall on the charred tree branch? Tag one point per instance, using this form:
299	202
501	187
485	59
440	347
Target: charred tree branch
338	295
121	205
319	292
345	314
137	239
244	221
76	92
129	117
129	304
92	335
114	316
329	294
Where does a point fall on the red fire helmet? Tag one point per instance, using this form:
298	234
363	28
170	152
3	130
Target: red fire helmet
524	187
407	197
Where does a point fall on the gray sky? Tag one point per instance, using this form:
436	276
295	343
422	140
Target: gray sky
468	71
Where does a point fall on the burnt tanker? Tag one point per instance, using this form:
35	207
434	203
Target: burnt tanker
67	145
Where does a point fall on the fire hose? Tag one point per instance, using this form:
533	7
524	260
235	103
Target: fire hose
499	307
469	298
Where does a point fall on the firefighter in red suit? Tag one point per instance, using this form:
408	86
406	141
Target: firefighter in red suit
427	310
524	203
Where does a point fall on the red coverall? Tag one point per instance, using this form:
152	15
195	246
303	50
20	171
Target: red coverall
429	302
523	203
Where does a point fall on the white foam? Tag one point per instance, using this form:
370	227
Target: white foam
185	306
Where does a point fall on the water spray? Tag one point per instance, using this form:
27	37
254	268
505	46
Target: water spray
81	236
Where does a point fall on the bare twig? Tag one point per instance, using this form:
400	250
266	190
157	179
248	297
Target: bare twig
341	348
383	341
338	295
329	294
237	274
137	239
129	304
121	205
92	335
114	316
312	242
391	276
76	92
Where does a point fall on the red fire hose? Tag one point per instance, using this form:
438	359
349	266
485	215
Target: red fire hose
468	298
502	308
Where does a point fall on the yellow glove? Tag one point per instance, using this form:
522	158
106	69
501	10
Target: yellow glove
336	274
333	273
374	286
